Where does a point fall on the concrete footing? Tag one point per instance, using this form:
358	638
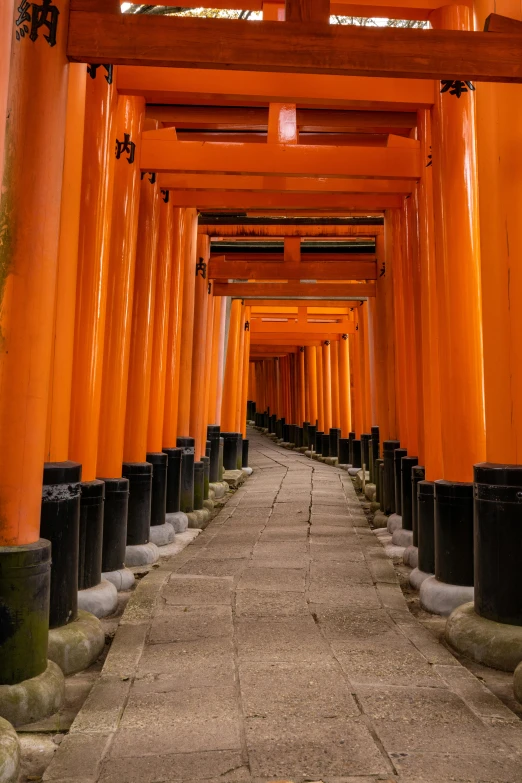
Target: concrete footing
517	683
370	491
394	523
220	490
247	471
497	645
178	520
353	471
234	477
331	461
33	699
123	579
417	577
402	537
380	520
161	535
441	598
141	554
74	647
100	600
411	556
199	519
9	753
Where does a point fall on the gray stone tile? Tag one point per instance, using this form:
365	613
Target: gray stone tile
272	579
288	639
188	664
78	752
227	766
217	567
265	603
175	623
182	590
461	767
352	595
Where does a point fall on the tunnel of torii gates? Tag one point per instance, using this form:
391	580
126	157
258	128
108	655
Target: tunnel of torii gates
315	224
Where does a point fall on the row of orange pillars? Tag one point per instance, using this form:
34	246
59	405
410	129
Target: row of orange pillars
119	411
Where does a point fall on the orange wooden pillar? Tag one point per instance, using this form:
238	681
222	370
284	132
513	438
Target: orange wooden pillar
320	389
199	343
499	122
327	386
429	310
59	410
358	376
334	357
205	418
120	285
345	412
136	468
301	387
93	257
244	381
385	340
230	386
170	418
217	358
32	165
311	355
241	356
413	351
187	324
458	274
6	38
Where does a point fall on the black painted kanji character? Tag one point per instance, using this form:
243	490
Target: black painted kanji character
247	326
45	15
166	195
93	69
201	267
456	86
23	17
125	146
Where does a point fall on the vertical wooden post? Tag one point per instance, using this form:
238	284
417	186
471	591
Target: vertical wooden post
162	300
35	95
204	417
395	238
458	273
93	256
320	388
358	374
385	340
239	381
120	289
59	410
218	355
334	357
170	419
228	411
344	386
301	387
311	353
187	324
327	386
244	382
199	341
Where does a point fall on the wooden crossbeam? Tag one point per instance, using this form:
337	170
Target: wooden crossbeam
316	231
161	152
130	39
207	182
274	329
326	304
307	11
298	339
340	291
216	199
318	270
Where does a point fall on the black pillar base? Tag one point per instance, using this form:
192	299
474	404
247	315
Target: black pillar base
312	429
417	474
230	443
325	447
335	434
426	520
115	515
199	485
239	460
187	474
398	454
206	476
344	451
407	466
379	465
356	453
213	436
498	542
60	524
374	453
365	450
319	441
140	497
174	479
91	533
245	445
388	488
454	532
25	583
158	503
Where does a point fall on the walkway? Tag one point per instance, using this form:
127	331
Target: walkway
278	646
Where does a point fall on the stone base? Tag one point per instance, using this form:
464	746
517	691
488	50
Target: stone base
234	478
141	554
178	520
220	490
199	519
308	453
411	556
123	579
161	535
343	466
498	645
100	600
247	471
440	598
209	505
33	699
74	647
394	552
9	753
517	683
331	461
402	537
374	506
394	523
417	577
353	471
380	520
370	491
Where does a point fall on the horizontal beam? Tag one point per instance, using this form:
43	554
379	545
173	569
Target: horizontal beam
316	231
305	270
275	329
182	182
327	304
342	50
297	339
246	118
217	199
340	291
161	152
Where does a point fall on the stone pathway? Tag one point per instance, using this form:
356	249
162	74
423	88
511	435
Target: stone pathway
278	646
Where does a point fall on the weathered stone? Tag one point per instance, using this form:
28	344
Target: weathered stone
9	753
77	645
33	699
498	645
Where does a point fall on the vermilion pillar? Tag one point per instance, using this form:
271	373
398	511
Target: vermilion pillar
458	273
199	342
345	411
30	196
320	389
334	357
358	376
311	356
395	246
58	416
170	419
230	385
93	257
327	386
385	340
187	324
301	387
217	358
244	382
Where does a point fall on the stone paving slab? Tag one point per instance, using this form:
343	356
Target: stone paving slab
279	647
